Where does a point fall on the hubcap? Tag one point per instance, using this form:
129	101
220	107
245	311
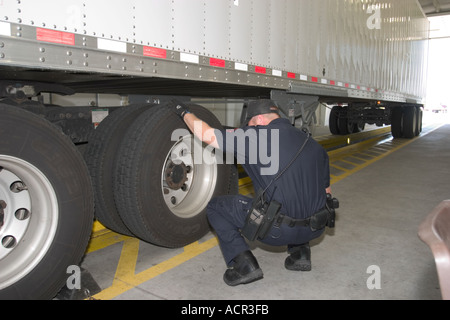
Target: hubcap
28	218
176	175
16	208
189	177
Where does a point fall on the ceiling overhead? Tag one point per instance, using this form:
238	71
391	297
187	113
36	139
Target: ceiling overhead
435	7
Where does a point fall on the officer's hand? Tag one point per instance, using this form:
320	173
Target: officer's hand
179	108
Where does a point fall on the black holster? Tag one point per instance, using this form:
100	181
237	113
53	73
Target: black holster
320	219
323	218
260	219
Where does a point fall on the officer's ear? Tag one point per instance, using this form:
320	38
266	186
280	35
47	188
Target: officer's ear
256	120
264	119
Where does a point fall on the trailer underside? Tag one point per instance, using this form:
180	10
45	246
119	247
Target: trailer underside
103	83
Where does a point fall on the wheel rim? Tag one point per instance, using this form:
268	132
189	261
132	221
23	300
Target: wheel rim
29	220
189	177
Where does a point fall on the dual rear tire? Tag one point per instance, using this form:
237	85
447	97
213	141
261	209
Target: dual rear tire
339	123
152	179
406	121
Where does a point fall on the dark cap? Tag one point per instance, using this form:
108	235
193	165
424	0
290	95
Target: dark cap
258	107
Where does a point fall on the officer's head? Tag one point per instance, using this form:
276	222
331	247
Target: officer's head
261	112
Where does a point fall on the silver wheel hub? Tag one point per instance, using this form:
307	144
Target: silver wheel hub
28	218
189	177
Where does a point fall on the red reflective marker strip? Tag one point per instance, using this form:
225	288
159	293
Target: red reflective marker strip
314	79
260	70
155	52
291	75
54	36
217	62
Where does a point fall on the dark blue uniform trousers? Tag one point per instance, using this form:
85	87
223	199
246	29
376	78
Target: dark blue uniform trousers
227	215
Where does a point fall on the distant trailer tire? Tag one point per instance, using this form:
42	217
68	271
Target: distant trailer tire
101	154
161	191
333	120
409	122
359	127
397	122
46	206
345	126
419	121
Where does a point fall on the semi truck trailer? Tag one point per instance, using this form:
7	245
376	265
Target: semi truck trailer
85	132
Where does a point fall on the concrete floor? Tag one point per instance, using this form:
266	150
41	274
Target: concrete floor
373	253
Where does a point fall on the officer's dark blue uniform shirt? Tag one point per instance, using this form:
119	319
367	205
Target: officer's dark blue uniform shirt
264	151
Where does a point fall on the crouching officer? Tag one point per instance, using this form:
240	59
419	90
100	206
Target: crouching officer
290	169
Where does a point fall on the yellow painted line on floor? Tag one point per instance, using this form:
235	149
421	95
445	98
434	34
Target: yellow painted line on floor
361	148
102	237
332	142
246	186
125	277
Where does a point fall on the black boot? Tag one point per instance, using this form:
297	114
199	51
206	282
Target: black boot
299	259
245	270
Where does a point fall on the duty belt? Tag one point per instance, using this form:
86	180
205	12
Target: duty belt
283	219
292	223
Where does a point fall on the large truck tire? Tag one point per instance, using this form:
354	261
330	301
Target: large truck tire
334	120
46	206
410	122
359	127
397	120
101	154
161	192
406	121
345	126
419	126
